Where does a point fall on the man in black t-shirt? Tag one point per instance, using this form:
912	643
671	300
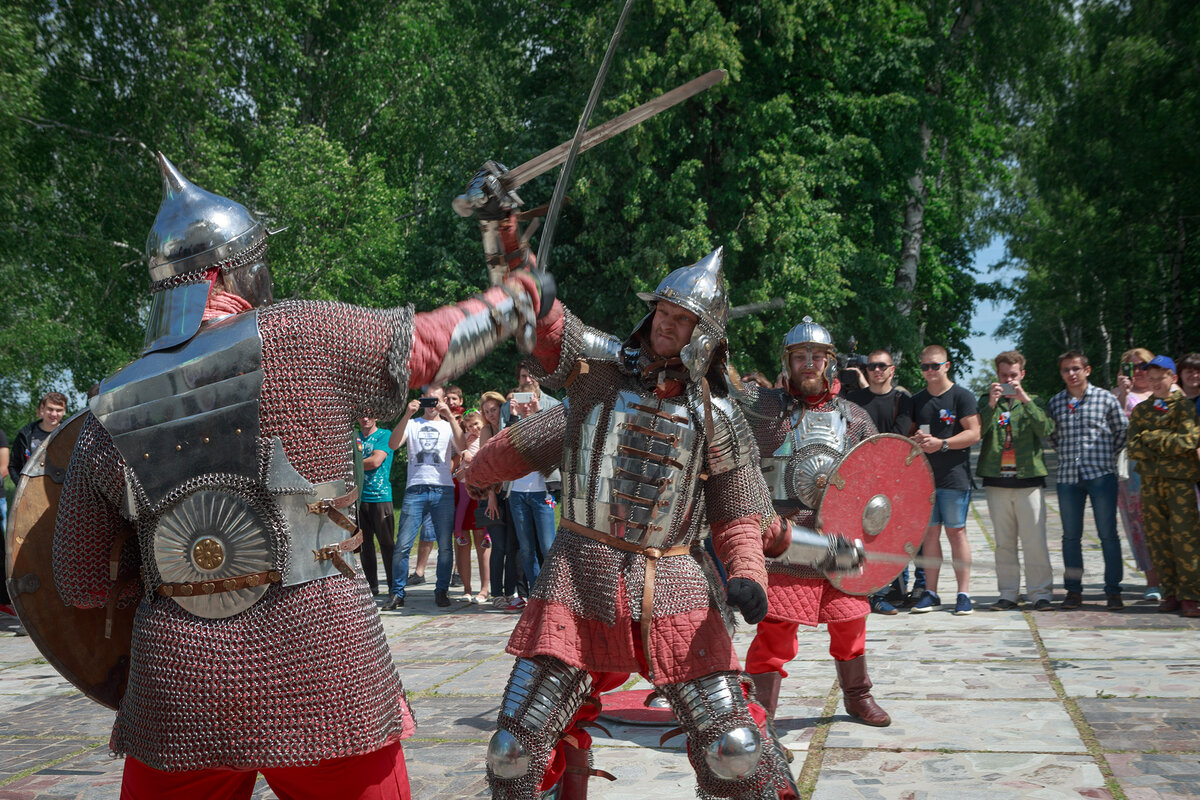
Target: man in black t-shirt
891	409
947	419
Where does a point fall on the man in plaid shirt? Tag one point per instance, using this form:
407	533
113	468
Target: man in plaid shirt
1089	431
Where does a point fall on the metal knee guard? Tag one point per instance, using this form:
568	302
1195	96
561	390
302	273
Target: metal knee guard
724	744
542	696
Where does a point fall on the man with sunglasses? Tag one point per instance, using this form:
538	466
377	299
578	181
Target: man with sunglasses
947	417
891	409
1089	430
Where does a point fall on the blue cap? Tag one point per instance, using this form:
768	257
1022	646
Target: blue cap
1162	361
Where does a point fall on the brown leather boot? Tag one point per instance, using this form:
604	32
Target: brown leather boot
766	690
856	693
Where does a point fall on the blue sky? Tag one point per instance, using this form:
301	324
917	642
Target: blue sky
988	315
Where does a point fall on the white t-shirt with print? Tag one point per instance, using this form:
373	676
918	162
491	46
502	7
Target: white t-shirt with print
430	445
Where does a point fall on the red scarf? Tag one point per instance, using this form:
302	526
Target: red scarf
223	304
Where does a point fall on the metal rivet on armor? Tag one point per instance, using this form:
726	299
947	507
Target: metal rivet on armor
230	585
178	447
206	440
238	431
208	588
275	576
146	456
185	590
253	580
168	590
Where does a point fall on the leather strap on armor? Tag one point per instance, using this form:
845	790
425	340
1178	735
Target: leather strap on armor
333	552
218	586
651	554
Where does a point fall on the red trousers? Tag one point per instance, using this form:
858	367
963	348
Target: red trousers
775	643
374	776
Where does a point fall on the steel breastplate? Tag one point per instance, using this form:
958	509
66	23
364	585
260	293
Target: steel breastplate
185	421
799	469
634	482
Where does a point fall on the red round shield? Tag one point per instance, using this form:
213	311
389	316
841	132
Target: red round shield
78	642
881	493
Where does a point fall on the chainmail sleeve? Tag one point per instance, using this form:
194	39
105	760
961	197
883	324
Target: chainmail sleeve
859	425
562	347
89	522
539	439
366	351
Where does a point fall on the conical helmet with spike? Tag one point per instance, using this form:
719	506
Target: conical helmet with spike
195	232
700	288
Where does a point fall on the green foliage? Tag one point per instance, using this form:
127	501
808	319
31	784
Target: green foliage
1103	218
350	125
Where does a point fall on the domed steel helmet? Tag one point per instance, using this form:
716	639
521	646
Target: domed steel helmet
813	338
194	232
699	288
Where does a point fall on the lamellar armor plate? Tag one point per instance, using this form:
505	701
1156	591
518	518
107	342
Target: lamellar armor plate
631	461
186	422
799	469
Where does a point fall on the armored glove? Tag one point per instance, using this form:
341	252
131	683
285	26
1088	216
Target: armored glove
485	196
843	555
749	597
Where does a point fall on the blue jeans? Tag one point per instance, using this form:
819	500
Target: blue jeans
532	518
1071	497
432	508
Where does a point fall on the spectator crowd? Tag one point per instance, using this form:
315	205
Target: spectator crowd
1132	453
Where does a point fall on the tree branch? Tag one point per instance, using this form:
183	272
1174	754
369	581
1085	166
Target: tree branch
43	124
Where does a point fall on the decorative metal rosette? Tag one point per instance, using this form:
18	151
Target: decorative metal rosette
209	536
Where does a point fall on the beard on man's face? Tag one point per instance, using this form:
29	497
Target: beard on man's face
812	385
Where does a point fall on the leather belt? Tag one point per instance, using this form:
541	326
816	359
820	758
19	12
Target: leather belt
652	555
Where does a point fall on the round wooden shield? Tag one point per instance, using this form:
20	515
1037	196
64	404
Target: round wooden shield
73	640
881	492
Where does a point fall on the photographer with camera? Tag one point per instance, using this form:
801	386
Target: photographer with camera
432	439
1014	483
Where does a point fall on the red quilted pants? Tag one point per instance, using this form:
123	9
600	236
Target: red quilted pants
775	643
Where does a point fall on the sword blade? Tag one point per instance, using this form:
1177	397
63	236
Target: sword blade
520	175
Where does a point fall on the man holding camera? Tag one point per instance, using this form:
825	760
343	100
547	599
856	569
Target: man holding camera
1013	423
432	439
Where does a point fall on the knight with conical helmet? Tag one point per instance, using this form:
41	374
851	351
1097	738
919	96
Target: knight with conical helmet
653	454
211	485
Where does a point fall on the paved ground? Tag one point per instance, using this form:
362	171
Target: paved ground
994	705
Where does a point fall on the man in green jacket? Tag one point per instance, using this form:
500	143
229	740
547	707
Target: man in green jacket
1014	481
1163	437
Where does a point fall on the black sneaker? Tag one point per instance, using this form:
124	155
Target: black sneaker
441	599
394	603
1114	602
415	579
1003	605
1043	605
455	580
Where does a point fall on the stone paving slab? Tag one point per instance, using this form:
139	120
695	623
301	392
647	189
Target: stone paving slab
1128	678
998	725
943	645
1142	617
1156	776
962	680
488	678
18	755
71	715
93	775
1146	725
458	718
859	775
1134	643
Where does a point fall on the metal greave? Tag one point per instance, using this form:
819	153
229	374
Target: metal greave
539	702
725	745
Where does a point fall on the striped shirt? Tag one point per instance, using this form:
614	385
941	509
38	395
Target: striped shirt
1088	433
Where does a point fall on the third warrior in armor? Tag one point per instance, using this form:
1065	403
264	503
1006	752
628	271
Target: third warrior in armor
652	451
802	431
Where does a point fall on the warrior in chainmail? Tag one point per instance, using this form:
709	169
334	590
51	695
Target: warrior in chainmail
212	484
652	450
802	431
